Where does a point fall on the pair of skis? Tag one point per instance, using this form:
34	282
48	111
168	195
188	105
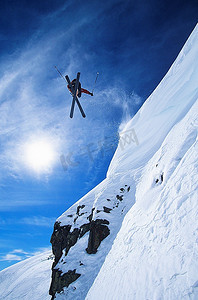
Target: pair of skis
75	97
73	90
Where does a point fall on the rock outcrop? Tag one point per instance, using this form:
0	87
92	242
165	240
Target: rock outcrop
82	220
63	239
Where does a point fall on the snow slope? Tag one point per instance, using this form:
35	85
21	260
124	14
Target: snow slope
27	280
155	254
145	138
166	106
148	202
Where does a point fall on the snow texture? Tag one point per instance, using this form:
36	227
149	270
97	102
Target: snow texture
27	280
150	200
155	254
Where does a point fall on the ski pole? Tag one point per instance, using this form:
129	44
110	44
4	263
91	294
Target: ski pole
95	82
59	72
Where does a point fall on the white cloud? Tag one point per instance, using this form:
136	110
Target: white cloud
35	102
21	251
12	204
20	254
42	250
39	221
11	257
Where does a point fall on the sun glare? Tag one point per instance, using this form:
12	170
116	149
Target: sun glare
39	156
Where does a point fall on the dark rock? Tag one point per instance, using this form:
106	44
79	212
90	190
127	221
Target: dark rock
119	197
128	189
98	232
78	210
162	177
75	219
90	217
50	257
84	229
71	239
107	209
62	239
69	216
60	281
108	199
122	190
59	240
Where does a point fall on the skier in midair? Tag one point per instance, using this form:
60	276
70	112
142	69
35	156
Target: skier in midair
79	90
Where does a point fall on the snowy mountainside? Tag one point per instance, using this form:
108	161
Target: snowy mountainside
154	255
92	224
28	279
134	236
166	106
90	227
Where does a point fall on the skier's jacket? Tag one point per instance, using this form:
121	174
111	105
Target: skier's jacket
79	90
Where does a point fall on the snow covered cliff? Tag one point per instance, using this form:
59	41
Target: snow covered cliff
155	254
153	179
28	279
134	236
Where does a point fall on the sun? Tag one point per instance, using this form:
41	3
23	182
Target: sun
39	155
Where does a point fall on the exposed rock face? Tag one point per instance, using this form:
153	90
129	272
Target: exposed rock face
63	239
60	280
59	240
82	220
98	232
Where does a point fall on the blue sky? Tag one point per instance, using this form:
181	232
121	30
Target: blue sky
131	44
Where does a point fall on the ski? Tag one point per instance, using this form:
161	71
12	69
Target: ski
74	94
80	107
75	98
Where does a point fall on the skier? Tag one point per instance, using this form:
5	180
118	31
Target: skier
79	90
